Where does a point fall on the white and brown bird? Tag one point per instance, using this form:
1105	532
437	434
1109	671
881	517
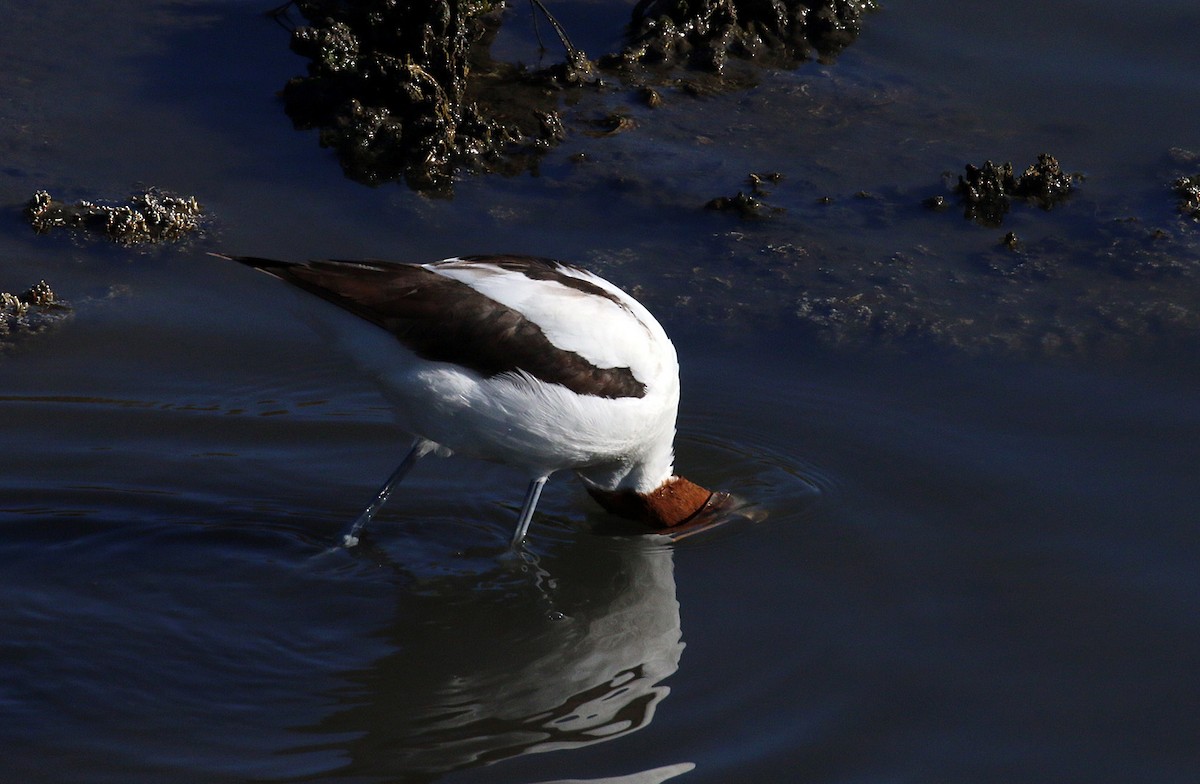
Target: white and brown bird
524	361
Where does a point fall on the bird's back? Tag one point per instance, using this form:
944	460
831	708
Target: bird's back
523	360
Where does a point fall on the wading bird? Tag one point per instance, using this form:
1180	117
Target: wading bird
530	362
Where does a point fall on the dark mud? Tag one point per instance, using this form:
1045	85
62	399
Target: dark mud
32	311
150	216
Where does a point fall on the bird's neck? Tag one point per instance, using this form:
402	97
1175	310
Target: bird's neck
672	503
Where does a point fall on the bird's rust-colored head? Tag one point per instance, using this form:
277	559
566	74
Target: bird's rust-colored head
674	503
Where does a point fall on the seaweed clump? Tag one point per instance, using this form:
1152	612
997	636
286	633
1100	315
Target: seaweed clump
742	205
704	34
1188	191
388	89
407	91
30	312
749	205
150	216
988	190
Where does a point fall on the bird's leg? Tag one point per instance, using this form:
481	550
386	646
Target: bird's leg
531	498
420	447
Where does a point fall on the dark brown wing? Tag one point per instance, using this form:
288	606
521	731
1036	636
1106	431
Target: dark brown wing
536	268
445	320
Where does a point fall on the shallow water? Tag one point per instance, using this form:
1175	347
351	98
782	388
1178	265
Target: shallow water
971	567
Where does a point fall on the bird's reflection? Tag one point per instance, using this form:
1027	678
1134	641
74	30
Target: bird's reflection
496	660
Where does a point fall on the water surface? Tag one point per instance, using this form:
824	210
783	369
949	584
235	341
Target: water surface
975	564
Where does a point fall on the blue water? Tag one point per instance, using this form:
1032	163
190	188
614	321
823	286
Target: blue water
972	566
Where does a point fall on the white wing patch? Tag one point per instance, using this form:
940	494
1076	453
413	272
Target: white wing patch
607	334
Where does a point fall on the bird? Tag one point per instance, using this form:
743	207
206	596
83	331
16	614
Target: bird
526	361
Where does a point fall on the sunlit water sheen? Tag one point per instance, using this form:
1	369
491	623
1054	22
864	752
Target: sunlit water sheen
958	569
